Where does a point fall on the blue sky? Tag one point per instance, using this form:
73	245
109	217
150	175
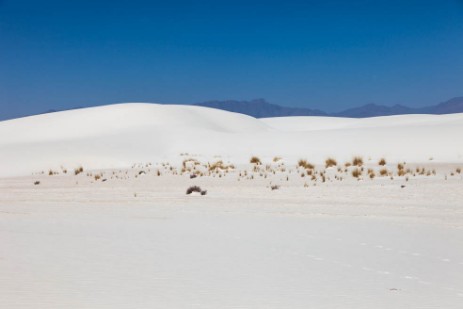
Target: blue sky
328	55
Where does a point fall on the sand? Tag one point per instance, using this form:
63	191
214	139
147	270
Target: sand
123	233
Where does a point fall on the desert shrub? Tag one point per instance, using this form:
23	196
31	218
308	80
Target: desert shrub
330	162
382	162
193	189
219	165
78	170
255	160
36	182
372	174
97	177
216	165
356	173
193	176
400	166
357	161
276	159
304	164
275	187
347	164
458	170
383	172
190	161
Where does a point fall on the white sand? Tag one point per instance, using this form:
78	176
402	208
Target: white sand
349	244
116	136
138	241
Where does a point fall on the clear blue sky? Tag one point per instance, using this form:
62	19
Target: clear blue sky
329	55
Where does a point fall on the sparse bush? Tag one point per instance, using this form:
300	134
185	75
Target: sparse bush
275	187
190	161
193	176
276	159
382	162
305	164
330	162
193	189
347	164
458	170
356	173
36	183
219	165
372	175
78	170
357	161
255	160
383	172
97	177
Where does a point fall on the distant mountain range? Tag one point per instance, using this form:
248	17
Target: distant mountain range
261	109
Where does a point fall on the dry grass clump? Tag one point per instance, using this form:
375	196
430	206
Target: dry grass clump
357	161
255	160
276	159
305	164
330	162
196	189
219	165
189	164
401	169
382	162
78	170
356	173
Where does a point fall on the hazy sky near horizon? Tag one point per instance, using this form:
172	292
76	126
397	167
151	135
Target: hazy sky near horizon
329	55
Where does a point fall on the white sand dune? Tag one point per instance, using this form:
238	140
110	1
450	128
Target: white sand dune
122	134
134	239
